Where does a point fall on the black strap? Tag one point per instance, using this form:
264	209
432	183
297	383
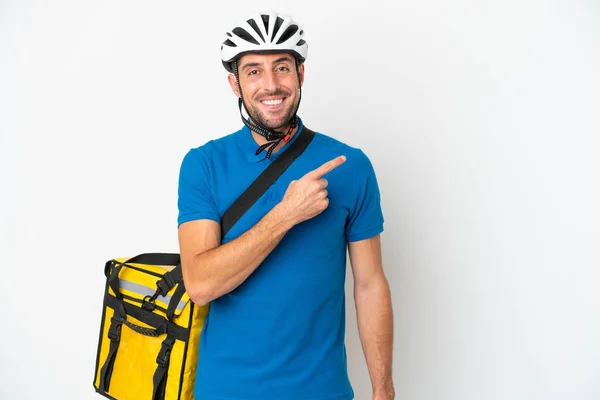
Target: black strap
113	280
159	379
169	280
114	334
265	180
156	259
107	369
175	299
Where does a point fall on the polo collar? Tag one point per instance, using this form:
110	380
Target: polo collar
249	145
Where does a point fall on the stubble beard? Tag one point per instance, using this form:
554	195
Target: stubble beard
259	118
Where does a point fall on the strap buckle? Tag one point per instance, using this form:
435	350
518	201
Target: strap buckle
148	303
165	284
164	355
114	331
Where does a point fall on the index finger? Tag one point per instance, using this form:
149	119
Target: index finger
327	167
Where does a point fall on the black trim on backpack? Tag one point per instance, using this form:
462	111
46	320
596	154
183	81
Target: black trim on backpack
100	340
185	350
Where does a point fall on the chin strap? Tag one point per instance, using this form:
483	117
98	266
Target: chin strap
272	145
268	134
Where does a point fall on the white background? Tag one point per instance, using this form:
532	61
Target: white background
481	119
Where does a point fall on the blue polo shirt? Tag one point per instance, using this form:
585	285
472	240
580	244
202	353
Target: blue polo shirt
280	334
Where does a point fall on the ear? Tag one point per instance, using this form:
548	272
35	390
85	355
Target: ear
301	74
233	84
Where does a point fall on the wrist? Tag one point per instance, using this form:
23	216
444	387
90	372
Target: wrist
384	391
283	216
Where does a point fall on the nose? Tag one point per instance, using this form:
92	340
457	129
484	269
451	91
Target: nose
270	82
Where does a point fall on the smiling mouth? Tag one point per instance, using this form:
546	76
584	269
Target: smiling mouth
273	102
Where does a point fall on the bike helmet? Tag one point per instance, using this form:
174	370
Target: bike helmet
264	33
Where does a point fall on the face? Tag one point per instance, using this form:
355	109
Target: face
269	87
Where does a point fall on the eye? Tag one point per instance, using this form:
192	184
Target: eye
283	68
253	72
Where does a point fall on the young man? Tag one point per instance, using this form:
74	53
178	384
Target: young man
275	283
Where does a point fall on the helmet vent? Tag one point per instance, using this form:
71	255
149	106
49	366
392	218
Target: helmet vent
278	23
289	32
229	43
252	23
244	35
301	42
265	19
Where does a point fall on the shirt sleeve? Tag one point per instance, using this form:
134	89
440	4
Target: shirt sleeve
195	200
366	219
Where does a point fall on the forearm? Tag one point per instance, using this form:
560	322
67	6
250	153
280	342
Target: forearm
222	269
375	324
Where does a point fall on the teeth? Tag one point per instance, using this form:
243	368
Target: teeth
272	102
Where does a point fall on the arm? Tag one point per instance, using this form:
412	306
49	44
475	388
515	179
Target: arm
374	314
210	270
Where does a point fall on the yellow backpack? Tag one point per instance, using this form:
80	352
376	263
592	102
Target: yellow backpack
148	346
150	328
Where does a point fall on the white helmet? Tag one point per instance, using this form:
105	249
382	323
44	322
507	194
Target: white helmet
264	33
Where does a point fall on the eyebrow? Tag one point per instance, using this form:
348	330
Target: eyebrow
281	59
256	64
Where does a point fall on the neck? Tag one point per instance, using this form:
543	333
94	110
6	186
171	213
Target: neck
260	139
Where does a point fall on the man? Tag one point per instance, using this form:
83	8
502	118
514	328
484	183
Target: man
275	283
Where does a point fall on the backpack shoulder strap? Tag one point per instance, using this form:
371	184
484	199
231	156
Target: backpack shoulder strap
256	189
265	180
